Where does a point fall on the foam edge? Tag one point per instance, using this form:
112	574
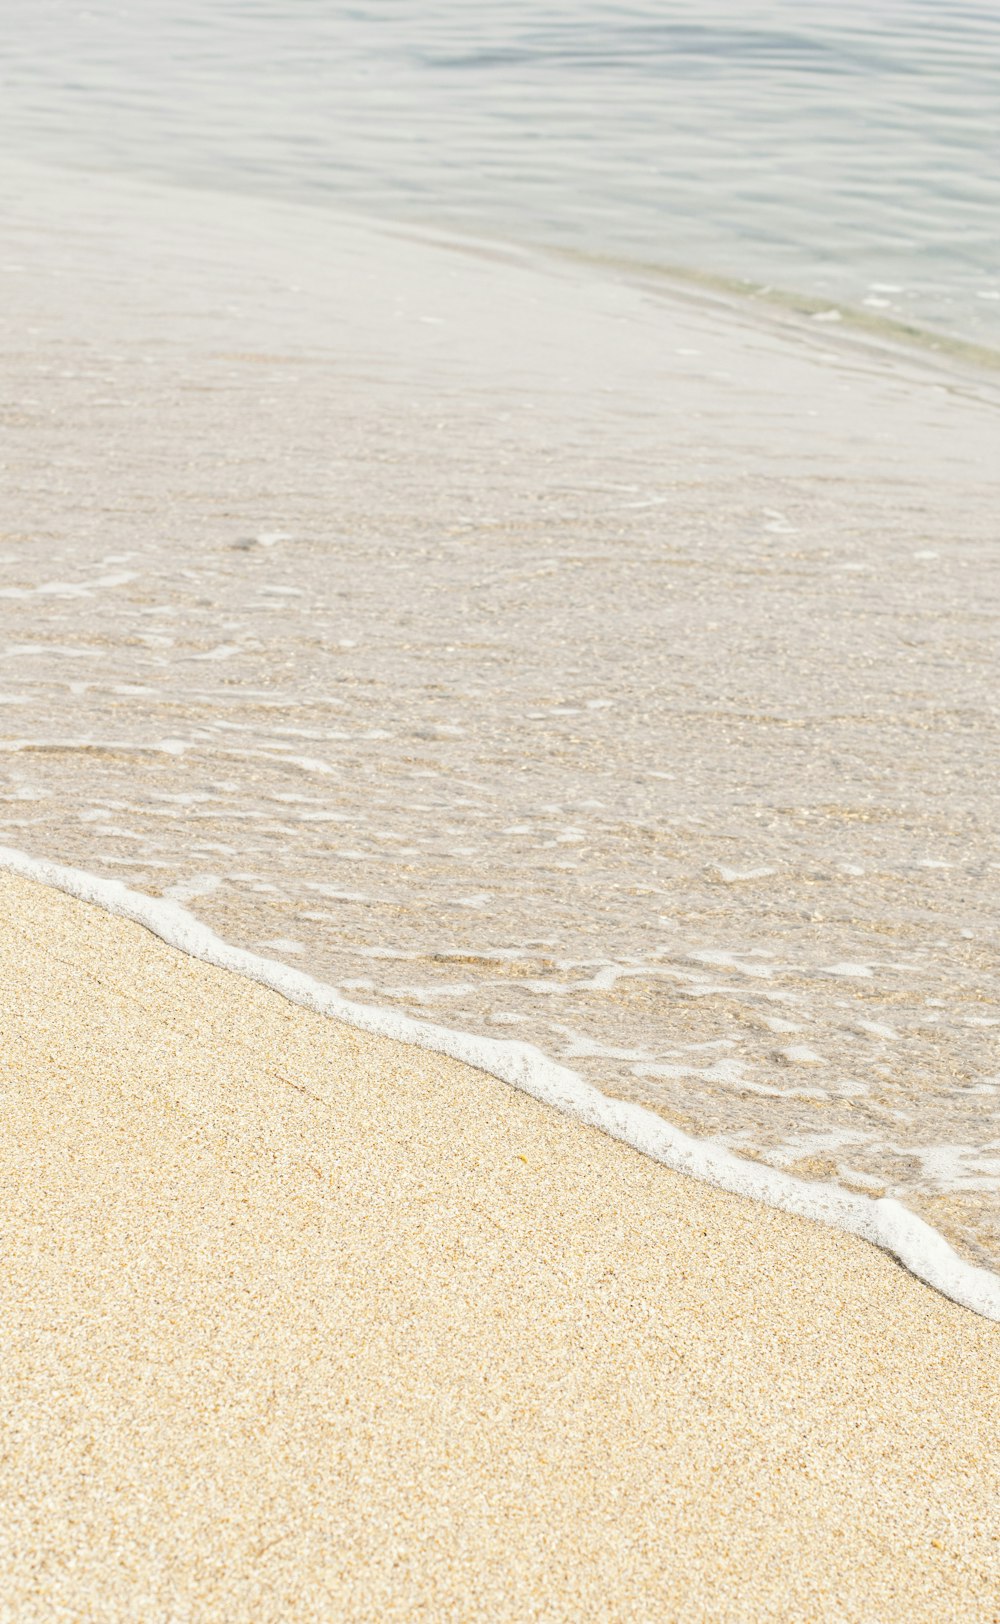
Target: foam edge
886	1222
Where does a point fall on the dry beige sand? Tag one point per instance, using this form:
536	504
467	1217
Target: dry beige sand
300	1324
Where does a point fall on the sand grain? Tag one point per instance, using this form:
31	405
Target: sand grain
299	1323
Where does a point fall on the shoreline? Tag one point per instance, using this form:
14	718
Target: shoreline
647	622
309	1321
790	312
884	1223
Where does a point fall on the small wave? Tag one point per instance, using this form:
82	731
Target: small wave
884	1222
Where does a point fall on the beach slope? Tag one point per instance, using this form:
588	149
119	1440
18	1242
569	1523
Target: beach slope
303	1323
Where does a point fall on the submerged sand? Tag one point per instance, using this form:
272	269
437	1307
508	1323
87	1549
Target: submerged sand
301	1323
524	644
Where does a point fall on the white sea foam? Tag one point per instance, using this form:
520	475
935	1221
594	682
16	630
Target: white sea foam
877	1029
734	876
68	589
883	1221
201	885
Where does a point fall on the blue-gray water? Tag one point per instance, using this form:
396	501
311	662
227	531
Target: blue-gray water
849	151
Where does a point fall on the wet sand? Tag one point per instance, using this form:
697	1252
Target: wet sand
304	1323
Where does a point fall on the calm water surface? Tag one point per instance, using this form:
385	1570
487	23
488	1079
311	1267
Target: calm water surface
849	152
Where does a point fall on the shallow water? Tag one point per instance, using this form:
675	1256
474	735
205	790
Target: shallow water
848	152
634	696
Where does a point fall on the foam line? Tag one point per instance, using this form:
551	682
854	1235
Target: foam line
883	1222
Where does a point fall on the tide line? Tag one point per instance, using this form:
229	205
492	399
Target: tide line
884	1222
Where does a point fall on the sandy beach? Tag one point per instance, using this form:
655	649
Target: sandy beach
499	842
302	1323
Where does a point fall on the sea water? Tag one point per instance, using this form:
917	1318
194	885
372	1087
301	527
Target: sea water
551	649
847	151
